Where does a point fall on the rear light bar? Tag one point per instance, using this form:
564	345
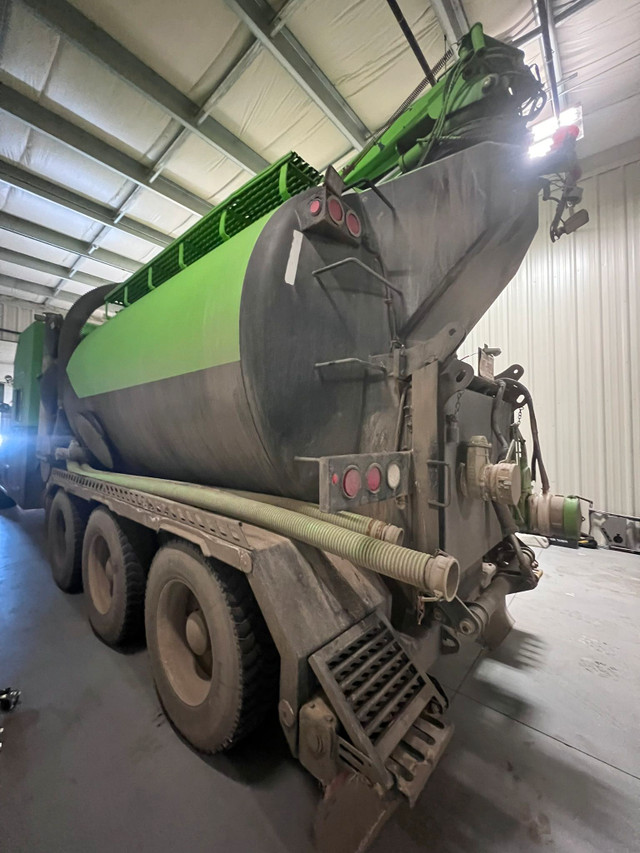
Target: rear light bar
322	211
346	482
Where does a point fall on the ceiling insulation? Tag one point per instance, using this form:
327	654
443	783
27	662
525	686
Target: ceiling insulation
201	85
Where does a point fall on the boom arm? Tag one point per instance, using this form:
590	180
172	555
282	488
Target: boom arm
487	94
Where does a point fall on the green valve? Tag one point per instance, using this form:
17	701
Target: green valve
572	517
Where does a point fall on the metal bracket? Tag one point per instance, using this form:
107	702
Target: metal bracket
332	469
404	361
456	615
439	464
514	371
348	369
455	378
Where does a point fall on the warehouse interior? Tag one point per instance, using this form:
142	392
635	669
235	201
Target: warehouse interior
122	125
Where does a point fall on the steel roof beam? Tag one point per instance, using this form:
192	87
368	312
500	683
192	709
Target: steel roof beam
8	282
38	265
68	244
259	16
54	126
452	19
567	12
86	35
34	184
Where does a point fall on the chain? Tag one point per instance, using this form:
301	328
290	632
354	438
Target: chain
457	406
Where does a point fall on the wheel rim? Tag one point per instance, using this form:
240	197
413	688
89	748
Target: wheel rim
184	643
101	574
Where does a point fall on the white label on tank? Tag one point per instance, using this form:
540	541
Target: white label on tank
294	257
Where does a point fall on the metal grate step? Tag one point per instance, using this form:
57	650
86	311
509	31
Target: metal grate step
376	691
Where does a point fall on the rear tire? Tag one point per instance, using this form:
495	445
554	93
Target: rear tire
66	521
213	661
114	580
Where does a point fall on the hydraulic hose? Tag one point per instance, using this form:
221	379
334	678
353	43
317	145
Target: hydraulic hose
536	456
495	426
438	574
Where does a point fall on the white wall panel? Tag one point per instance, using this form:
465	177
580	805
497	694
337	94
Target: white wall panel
570	317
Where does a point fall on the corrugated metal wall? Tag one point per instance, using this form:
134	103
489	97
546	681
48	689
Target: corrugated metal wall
570	317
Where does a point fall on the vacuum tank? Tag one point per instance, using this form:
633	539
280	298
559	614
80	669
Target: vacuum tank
258	339
258	352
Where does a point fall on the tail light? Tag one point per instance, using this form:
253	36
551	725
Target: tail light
336	210
352	482
374	478
353	224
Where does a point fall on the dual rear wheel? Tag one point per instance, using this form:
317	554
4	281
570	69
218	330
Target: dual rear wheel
212	658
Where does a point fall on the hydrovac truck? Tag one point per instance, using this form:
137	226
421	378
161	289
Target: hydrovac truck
266	457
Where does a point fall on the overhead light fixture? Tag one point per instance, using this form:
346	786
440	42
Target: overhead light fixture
542	133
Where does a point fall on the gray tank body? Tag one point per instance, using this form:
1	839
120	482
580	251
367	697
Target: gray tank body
448	237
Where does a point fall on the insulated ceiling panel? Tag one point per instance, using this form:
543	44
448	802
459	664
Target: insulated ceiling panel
127	245
88	265
27	50
14	137
18	271
149	208
201	169
27	206
191	44
600	50
75	287
36	249
360	47
79	89
270	112
67	168
512	18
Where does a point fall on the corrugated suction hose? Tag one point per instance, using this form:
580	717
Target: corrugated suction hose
438	574
350	520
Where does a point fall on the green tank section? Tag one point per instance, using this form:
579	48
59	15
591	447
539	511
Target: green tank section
20	480
263	194
26	370
204	295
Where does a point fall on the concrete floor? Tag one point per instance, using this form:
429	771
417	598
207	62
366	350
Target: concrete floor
546	753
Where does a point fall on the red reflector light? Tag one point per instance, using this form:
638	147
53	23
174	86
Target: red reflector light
351	482
374	478
336	211
315	207
353	224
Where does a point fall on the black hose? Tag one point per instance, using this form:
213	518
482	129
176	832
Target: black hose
495	426
536	456
413	43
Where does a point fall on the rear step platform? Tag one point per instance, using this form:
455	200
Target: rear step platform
390	711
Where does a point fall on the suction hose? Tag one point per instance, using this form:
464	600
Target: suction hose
438	574
349	520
